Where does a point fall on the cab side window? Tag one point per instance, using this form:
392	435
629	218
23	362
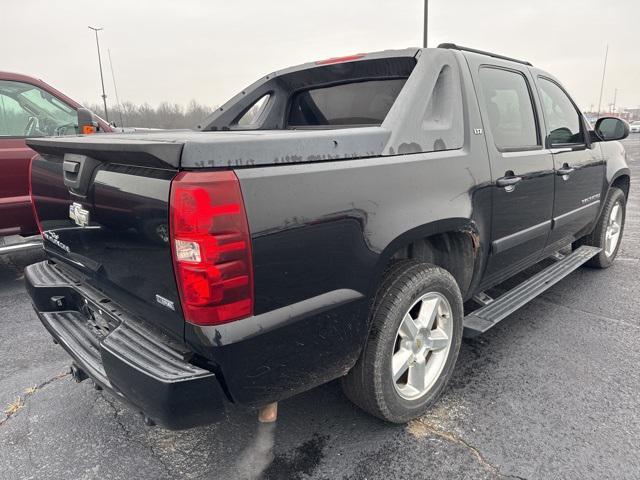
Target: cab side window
510	111
28	111
563	119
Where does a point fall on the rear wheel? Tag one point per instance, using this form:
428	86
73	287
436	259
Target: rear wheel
608	231
415	337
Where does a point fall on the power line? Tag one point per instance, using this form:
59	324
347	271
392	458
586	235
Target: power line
115	88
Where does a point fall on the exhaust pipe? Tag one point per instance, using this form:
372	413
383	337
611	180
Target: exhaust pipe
268	413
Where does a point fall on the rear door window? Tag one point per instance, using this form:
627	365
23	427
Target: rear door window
509	109
356	103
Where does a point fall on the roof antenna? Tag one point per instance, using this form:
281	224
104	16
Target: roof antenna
115	88
604	69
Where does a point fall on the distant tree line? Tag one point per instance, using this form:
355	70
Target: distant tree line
165	115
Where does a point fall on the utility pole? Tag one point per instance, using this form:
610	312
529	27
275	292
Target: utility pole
615	97
426	23
604	69
104	95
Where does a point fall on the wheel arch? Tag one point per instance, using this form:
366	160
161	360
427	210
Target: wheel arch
452	244
621	180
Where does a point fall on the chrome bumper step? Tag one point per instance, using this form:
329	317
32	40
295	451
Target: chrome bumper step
26	244
481	320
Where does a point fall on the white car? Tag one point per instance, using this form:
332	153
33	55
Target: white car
634	127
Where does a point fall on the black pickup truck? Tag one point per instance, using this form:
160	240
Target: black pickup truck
340	219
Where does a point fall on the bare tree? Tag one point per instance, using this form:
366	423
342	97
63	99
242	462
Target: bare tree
165	115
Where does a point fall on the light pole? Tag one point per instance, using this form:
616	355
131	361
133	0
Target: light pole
104	95
426	23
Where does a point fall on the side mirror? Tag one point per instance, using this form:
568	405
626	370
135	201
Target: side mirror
86	123
611	128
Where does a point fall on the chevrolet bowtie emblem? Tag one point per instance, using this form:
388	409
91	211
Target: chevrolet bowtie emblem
79	214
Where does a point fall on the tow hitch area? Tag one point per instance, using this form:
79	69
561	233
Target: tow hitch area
122	355
77	373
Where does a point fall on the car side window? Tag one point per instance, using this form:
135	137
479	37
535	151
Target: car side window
563	119
510	110
28	111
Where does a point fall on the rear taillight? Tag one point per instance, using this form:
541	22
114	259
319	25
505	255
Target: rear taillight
211	247
33	203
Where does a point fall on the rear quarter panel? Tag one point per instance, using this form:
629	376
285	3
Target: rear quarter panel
322	234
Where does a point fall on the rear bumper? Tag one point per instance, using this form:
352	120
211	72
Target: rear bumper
138	365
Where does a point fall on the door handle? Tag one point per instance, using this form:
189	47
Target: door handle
565	170
508	182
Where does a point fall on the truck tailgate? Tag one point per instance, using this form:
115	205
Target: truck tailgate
105	212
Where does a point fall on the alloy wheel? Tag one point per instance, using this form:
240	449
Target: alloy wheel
422	346
614	228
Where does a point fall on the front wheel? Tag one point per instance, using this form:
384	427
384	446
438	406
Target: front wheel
413	345
607	234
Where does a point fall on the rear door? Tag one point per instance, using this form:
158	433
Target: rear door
521	168
578	164
16	215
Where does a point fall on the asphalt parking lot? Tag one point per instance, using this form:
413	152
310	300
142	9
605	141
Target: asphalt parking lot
551	392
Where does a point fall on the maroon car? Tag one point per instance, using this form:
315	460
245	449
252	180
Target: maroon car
28	108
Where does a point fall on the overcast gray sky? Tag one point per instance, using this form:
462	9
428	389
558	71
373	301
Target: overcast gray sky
207	50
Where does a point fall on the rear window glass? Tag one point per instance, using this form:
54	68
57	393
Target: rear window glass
356	103
509	108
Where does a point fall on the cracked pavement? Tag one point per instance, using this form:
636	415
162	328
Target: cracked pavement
551	392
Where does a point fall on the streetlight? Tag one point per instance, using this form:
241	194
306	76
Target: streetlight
426	23
104	95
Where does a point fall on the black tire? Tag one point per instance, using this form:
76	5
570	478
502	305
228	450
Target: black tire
597	238
370	384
